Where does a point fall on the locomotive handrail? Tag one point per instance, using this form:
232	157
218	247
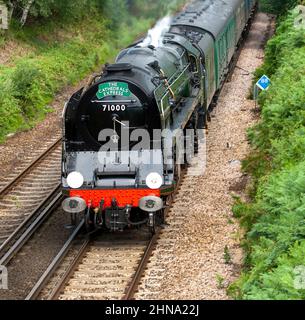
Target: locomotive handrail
164	111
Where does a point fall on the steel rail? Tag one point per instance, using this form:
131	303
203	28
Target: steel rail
6	244
132	287
45	213
55	263
7	187
67	275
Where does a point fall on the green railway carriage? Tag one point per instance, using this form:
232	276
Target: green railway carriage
216	27
249	6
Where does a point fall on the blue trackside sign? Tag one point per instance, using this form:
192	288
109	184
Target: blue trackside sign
264	83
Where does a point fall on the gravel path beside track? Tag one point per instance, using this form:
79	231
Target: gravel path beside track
192	265
31	261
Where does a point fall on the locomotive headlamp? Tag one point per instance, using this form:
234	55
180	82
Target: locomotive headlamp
74	205
151	204
75	180
154	181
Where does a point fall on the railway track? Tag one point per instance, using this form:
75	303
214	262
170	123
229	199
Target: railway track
24	197
148	286
25	230
105	267
28	251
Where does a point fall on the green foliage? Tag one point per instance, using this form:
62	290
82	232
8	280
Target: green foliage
10	114
117	12
26	80
220	281
227	255
154	8
275	219
75	38
277	6
287	37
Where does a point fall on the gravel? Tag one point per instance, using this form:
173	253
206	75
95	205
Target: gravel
192	263
10	50
25	269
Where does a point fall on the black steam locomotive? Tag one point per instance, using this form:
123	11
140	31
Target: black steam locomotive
148	89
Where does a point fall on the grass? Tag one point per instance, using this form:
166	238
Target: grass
220	282
227	255
56	55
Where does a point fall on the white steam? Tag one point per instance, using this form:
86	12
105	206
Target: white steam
155	35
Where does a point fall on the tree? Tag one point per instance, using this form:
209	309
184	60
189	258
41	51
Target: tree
26	11
278	6
117	12
19	9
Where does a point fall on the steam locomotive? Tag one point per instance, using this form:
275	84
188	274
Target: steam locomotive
168	87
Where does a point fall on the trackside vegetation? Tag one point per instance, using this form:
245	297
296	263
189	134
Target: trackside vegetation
275	218
277	6
64	41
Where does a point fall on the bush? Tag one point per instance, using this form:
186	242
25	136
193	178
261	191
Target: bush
26	80
277	6
62	53
11	117
275	219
